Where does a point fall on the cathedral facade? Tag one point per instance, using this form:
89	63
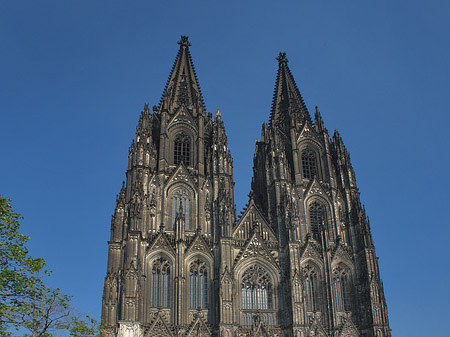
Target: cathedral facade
298	262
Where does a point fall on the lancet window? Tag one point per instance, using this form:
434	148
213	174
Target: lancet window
341	288
182	149
312	288
198	285
256	289
161	283
181	202
309	164
316	218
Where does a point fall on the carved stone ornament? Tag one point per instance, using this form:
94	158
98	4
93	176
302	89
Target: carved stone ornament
129	329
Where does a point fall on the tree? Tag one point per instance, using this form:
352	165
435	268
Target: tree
25	300
84	327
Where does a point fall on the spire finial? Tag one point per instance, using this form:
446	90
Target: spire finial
282	58
184	42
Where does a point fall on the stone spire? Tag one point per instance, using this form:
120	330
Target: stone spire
182	86
287	100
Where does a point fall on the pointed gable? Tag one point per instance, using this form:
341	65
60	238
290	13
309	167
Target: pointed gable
340	253
181	174
198	328
199	245
311	252
253	218
316	188
182	117
349	329
256	247
158	328
162	242
308	132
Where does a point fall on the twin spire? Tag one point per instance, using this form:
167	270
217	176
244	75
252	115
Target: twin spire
183	88
287	100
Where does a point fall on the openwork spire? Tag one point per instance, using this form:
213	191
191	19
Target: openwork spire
287	100
182	86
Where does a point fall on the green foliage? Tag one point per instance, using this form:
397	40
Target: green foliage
84	327
25	300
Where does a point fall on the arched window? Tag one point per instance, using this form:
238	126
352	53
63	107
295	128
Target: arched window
316	218
161	283
341	288
309	166
182	149
312	288
181	198
198	285
256	289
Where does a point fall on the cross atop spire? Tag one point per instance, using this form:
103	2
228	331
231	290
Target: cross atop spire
184	42
182	86
287	100
282	58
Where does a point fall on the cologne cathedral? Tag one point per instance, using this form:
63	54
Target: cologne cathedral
298	262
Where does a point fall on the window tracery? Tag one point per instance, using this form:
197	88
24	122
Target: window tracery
182	149
316	218
161	283
341	288
311	282
198	285
309	164
181	198
256	289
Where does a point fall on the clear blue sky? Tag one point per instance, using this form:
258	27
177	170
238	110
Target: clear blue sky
74	76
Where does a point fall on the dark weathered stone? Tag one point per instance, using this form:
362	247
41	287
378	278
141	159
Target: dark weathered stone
298	262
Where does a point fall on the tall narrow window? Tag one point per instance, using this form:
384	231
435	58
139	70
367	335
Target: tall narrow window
341	289
182	149
312	288
309	166
316	218
256	289
161	283
198	285
181	198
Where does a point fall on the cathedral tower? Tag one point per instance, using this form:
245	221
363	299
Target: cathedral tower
299	261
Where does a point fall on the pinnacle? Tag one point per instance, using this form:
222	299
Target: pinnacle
282	58
287	100
182	86
184	42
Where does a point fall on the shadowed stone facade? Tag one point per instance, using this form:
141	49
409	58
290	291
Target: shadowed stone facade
298	262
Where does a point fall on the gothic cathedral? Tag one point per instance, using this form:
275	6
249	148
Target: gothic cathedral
298	262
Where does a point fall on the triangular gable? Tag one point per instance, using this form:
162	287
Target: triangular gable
252	209
207	185
182	116
131	272
261	330
199	245
349	329
181	174
198	328
311	252
163	242
158	328
256	247
341	254
226	276
308	133
318	329
315	188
